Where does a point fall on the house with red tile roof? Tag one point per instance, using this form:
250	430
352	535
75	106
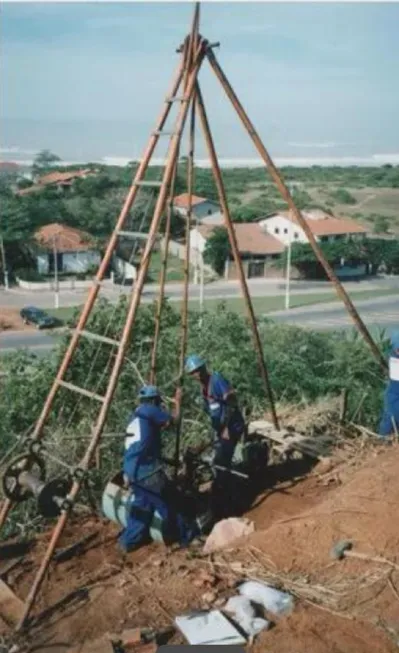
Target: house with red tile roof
201	207
258	249
324	226
61	180
73	249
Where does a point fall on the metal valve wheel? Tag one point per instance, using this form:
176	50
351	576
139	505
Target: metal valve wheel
12	488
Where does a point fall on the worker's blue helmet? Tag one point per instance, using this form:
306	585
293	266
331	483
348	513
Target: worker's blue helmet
149	392
194	363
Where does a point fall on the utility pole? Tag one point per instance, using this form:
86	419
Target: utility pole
288	267
288	270
56	284
4	263
201	295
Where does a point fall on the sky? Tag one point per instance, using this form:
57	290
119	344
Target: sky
87	80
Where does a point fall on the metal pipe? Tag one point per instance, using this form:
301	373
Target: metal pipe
133	306
7	504
234	246
162	278
298	216
184	311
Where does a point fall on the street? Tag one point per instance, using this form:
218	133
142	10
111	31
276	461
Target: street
17	298
376	313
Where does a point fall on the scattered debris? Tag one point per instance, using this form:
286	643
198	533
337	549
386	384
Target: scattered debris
225	532
208	628
11	607
244	615
76	548
272	600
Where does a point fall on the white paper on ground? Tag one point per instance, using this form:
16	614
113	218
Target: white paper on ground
208	628
271	599
245	616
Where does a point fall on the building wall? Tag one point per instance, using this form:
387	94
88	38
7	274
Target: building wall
74	262
200	210
283	229
256	268
79	261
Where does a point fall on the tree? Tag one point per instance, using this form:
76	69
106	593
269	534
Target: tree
381	224
343	196
217	249
43	161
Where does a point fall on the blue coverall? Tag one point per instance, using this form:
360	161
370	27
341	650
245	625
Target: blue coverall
147	481
214	394
391	398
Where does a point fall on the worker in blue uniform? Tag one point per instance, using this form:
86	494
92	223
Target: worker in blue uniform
389	424
144	475
220	403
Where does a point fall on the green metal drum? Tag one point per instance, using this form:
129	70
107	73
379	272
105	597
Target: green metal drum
115	501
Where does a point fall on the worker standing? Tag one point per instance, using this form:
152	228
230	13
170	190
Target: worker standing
220	403
144	475
389	424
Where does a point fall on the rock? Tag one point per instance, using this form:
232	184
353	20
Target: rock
225	532
209	597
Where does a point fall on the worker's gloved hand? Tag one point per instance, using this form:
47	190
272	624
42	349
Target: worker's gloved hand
225	435
178	395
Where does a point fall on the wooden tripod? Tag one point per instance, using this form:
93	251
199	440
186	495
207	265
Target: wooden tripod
192	54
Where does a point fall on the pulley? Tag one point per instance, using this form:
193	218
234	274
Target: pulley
25	477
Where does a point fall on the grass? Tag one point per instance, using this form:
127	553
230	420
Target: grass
261	305
174	270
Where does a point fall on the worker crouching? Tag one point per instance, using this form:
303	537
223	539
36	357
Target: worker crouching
220	403
389	424
144	474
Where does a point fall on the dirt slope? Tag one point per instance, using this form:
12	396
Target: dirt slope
357	610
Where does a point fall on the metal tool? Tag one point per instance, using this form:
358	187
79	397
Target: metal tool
25	477
343	549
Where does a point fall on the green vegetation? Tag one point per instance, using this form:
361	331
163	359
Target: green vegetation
217	249
93	204
374	251
302	365
343	196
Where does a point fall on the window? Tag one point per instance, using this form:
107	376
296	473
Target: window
296	234
209	211
276	230
286	231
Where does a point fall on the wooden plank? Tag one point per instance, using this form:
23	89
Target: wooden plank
288	440
11	607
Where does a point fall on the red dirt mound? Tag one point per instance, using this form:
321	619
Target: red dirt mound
341	606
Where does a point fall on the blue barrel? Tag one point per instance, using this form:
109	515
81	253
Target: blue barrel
114	505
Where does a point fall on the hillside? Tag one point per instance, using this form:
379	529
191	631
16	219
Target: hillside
347	605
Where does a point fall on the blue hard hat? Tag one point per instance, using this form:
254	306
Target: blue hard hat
194	363
149	392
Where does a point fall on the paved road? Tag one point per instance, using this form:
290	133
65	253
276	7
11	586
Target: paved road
376	313
18	298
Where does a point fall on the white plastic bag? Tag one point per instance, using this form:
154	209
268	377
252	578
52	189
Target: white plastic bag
271	599
244	615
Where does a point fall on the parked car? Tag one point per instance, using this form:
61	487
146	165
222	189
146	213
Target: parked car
41	319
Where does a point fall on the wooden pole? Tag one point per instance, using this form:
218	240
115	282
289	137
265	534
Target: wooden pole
234	246
297	214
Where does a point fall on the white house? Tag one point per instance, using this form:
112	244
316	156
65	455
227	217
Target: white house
200	206
325	227
73	249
